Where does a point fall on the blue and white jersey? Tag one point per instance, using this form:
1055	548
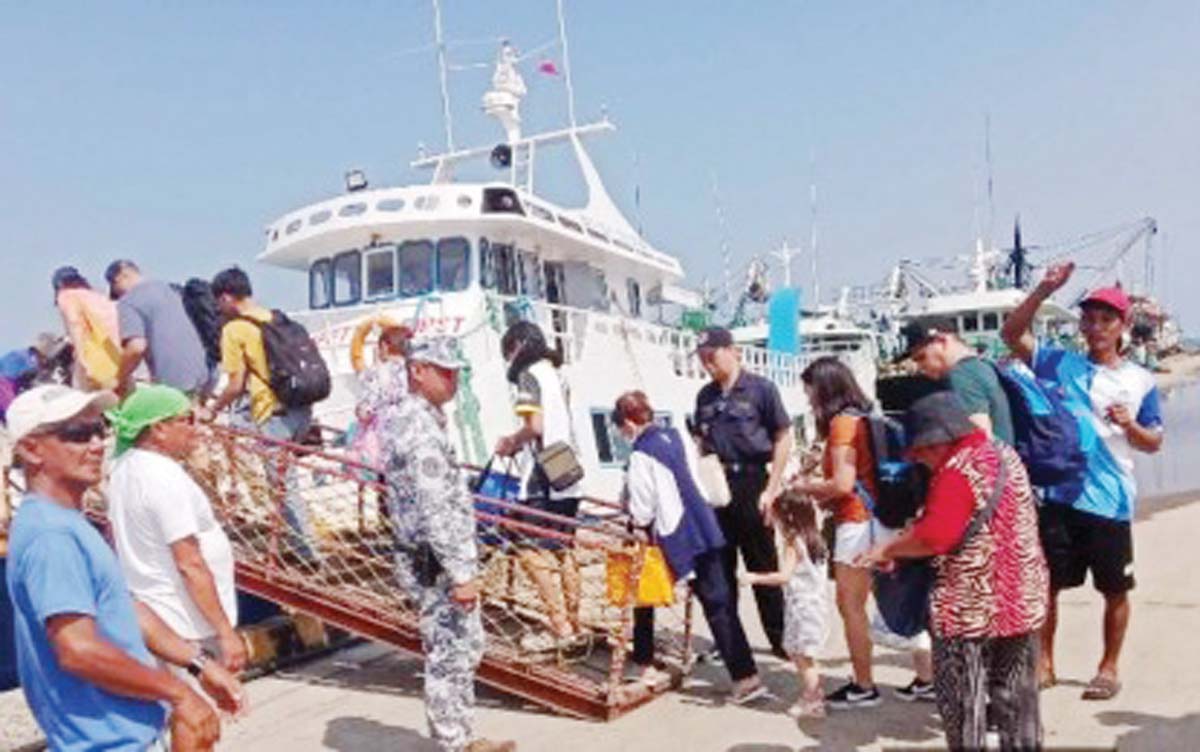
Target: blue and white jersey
1090	389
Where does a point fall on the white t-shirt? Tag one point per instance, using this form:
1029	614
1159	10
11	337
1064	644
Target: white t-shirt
540	390
153	503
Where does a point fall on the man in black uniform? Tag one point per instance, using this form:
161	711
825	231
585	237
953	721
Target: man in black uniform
741	419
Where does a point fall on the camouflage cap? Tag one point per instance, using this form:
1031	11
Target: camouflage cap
440	351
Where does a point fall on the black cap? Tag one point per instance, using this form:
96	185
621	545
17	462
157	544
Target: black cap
65	275
938	418
918	332
713	337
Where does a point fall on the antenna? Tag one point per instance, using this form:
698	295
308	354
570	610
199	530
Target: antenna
440	42
725	253
812	242
987	156
637	192
562	39
785	253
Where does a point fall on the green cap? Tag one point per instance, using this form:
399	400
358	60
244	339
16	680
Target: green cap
149	404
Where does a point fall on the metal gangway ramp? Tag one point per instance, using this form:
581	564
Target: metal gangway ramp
341	572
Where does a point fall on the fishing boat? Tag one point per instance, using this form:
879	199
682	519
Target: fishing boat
466	259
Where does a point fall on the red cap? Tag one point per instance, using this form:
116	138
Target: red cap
1113	297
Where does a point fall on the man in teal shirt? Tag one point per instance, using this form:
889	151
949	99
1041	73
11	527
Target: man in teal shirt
934	346
84	650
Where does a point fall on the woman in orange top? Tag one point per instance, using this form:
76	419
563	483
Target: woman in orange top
839	404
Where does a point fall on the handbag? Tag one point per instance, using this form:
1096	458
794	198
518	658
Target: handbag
713	482
560	465
652	586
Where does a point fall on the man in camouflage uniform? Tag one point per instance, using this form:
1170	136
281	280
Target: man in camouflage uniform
436	559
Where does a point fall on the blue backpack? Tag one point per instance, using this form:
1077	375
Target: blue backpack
1045	430
900	484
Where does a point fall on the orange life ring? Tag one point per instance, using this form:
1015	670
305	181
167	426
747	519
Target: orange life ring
359	340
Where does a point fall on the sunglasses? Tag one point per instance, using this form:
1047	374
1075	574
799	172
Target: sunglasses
80	433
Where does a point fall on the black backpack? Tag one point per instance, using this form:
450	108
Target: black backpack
298	375
202	309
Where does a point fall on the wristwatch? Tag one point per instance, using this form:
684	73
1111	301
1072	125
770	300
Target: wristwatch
195	667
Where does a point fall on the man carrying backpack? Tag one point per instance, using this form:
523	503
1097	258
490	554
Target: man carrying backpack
275	375
934	346
155	327
1086	525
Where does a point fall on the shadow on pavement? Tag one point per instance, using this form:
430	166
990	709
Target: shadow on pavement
1153	733
395	673
354	734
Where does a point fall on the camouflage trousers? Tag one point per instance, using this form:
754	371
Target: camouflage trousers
452	639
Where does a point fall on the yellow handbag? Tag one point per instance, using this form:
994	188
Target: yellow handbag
655	586
99	355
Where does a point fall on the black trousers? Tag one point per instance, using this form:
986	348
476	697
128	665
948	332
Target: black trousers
744	531
719	601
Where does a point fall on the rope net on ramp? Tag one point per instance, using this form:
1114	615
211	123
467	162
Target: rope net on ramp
311	531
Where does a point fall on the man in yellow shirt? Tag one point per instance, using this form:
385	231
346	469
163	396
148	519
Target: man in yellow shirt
248	390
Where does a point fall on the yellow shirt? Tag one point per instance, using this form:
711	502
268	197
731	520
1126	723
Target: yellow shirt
242	346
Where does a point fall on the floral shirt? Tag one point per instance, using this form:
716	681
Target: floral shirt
430	502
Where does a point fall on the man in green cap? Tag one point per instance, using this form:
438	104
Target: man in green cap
174	554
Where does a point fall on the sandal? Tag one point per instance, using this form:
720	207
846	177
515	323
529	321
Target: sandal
1102	687
749	693
1047	681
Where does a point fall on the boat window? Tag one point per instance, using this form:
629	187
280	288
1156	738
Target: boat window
597	235
541	212
347	278
381	273
611	446
501	201
633	291
991	321
293	226
498	267
319	280
570	224
623	245
531	275
390	205
970	322
319	217
464	201
453	258
352	210
416	268
426	203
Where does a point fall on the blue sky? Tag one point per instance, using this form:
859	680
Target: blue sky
173	133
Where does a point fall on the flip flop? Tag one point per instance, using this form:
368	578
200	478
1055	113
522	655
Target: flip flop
1102	687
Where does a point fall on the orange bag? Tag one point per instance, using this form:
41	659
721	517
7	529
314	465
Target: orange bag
654	584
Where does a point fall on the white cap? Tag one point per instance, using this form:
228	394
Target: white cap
48	404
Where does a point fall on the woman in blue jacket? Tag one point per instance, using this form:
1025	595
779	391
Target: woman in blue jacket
662	494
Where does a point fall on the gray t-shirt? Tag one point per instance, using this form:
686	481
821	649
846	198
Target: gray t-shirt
154	311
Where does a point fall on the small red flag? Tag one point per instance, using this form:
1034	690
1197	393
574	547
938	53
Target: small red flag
548	67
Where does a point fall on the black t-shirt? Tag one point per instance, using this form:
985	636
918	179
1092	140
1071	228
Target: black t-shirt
740	426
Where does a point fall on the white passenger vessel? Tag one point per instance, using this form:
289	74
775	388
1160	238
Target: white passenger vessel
467	258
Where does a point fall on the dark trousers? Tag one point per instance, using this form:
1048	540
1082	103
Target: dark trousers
719	601
968	673
744	531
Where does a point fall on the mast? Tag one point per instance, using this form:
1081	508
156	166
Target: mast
440	43
785	253
987	155
812	241
566	55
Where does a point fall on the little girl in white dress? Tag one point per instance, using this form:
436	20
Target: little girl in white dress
802	558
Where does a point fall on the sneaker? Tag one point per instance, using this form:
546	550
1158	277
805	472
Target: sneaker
853	696
917	690
807	709
745	693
